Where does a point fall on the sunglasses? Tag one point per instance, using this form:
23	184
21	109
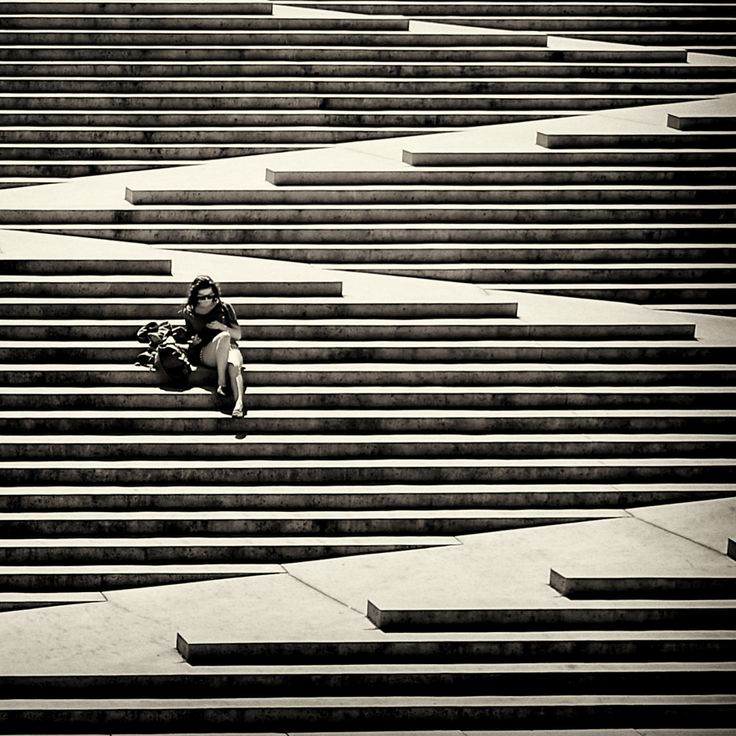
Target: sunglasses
205	297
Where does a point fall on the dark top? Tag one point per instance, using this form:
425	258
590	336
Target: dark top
196	324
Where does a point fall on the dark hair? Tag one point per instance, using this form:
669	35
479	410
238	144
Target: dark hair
199	283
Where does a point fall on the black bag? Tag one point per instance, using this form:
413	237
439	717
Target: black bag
172	360
164	352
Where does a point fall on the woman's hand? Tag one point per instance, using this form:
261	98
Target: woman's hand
195	340
215	325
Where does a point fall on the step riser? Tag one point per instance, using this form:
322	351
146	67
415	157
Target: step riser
29	502
540	176
201	237
111	79
360	425
553	619
424	716
593	473
150	309
570	158
289	37
107	353
444	197
384	216
109	23
538	72
521	257
366	684
525	276
574	650
165	288
25	579
330	53
267	527
79	450
650	296
343	400
133	110
135	8
359	332
723	376
682	140
68	582
58	267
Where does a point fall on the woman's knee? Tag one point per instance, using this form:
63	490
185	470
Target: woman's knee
235	357
221	339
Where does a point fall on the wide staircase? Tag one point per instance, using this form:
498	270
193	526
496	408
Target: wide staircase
371	427
706	27
98	88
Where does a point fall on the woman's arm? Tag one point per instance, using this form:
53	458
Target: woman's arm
232	329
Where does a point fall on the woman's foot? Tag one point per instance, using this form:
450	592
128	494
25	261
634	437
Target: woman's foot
222	391
237	411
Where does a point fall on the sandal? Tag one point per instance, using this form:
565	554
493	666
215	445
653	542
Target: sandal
238	412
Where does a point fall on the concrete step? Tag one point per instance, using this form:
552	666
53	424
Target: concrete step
508	646
723	121
436	194
219	238
434	328
651	295
64	580
586	582
689	140
407	374
349	52
202	21
645	27
205	126
294	307
640	614
402	421
681	399
9	182
155	266
432	497
182	7
415	8
20	556
330	714
589	157
503	176
69	524
230	472
699	39
367	679
344	447
24	601
198	77
54	105
41	169
182	153
647	273
504	68
87	286
424	255
384	215
489	351
297	31
718	310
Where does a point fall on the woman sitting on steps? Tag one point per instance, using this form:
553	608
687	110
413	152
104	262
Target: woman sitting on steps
214	330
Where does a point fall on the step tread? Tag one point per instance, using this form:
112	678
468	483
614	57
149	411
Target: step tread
244	569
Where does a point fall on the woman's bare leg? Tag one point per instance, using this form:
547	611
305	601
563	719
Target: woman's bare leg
235	371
